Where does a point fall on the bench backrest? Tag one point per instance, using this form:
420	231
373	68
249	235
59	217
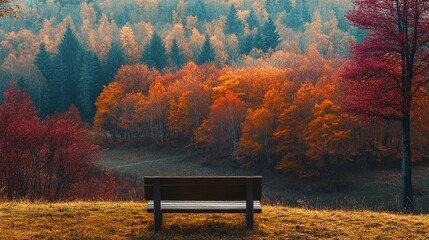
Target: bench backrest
203	188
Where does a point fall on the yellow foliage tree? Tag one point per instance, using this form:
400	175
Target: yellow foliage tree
129	44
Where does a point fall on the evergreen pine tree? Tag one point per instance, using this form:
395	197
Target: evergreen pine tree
165	12
246	45
257	41
154	54
98	79
146	55
207	52
59	99
270	6
233	25
294	18
98	12
285	5
43	62
85	84
306	16
274	7
270	37
68	62
177	58
23	84
252	20
115	59
198	8
88	85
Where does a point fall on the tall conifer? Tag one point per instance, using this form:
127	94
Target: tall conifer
43	62
270	37
88	85
115	59
177	58
69	64
252	20
233	25
154	54
207	52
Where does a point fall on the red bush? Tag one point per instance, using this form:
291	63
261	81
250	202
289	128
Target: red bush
40	159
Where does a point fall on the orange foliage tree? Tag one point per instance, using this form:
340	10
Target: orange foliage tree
135	78
157	110
133	115
108	114
190	98
290	143
222	129
326	137
257	140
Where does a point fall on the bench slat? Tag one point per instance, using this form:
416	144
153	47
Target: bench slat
205	207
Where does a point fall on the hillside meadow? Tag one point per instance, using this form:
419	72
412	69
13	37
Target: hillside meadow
129	220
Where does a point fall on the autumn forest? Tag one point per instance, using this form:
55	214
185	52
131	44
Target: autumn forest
302	87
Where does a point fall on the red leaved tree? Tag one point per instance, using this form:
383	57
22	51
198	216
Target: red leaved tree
40	159
390	68
21	135
66	154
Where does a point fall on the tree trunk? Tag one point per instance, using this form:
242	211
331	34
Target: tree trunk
407	188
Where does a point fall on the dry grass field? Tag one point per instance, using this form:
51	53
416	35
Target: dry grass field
129	220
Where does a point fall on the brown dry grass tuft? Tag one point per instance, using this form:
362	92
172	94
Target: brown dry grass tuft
129	220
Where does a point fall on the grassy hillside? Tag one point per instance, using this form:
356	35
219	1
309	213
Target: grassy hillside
128	220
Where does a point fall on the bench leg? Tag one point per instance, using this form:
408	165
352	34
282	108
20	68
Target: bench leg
157	205
249	220
158	221
249	203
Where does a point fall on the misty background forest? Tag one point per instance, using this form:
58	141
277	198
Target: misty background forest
63	52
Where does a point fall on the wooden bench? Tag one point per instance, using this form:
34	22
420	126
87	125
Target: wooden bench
203	195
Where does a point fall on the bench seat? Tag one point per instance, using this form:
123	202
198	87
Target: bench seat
204	206
203	194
